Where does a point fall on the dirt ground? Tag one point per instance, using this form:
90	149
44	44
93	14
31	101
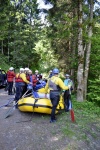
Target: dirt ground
37	134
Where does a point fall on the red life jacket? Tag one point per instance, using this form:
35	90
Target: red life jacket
10	76
34	79
28	77
18	79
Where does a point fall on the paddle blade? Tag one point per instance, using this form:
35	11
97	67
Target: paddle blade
72	115
9	112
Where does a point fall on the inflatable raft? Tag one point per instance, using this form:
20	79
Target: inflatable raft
38	105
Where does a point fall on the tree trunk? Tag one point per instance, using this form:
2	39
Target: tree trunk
74	47
2	47
87	61
8	50
80	81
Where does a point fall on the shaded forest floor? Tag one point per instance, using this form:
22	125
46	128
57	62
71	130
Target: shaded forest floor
39	134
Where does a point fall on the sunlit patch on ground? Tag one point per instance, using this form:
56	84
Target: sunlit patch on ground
3	94
5	108
55	138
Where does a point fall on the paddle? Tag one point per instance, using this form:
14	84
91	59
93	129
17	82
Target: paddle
69	107
36	99
71	111
7	104
9	112
72	115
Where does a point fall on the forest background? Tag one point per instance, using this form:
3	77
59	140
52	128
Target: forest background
67	38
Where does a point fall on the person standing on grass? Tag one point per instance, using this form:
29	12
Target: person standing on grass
54	85
67	93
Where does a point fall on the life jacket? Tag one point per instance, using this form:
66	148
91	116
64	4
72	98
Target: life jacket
53	86
27	77
68	82
10	76
33	79
37	76
18	79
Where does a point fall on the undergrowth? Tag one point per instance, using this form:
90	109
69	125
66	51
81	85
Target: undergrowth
86	116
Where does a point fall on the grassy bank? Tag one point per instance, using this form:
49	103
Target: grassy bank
86	127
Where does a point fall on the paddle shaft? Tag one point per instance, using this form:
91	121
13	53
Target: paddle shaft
8	113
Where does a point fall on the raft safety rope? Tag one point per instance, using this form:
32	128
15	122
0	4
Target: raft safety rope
32	113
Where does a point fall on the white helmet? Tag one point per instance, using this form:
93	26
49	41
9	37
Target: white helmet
21	69
30	71
26	69
67	75
50	71
36	71
11	68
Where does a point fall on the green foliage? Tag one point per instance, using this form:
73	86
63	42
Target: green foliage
4	17
25	41
86	107
48	59
62	33
94	91
86	125
20	32
94	72
3	62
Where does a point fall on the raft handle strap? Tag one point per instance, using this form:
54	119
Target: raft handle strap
32	113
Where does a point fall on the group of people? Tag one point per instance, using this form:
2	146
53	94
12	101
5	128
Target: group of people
54	85
21	80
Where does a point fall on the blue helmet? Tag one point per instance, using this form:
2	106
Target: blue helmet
55	71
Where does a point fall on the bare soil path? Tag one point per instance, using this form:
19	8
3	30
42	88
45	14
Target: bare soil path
39	134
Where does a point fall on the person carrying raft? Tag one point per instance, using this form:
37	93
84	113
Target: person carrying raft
55	84
20	81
